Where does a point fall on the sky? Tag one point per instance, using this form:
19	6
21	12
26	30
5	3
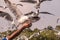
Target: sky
45	19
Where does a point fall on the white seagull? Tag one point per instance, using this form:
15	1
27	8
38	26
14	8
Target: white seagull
20	17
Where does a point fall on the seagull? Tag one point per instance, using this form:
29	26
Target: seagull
35	14
20	17
37	2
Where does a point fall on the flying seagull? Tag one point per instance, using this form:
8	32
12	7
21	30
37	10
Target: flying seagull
20	17
17	12
13	8
34	15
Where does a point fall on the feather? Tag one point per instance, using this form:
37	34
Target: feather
45	0
28	1
46	13
13	8
6	16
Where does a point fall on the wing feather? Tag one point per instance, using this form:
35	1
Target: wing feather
6	15
13	8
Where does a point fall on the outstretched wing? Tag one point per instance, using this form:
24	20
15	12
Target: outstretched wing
6	16
13	8
46	13
28	1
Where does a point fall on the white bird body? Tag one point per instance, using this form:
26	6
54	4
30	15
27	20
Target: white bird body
22	19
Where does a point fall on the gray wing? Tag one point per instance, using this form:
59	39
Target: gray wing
13	8
6	16
28	1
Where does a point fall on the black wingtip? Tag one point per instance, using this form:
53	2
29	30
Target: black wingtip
8	17
28	1
46	13
45	0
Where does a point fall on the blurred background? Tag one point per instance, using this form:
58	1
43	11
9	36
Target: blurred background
46	20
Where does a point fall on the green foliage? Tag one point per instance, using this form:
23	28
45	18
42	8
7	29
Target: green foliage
27	32
36	30
45	34
48	35
58	27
